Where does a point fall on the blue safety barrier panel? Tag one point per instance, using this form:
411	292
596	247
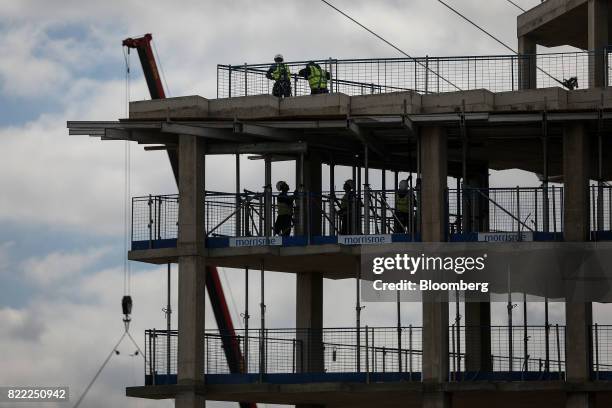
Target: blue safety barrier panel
298	378
601	235
155	244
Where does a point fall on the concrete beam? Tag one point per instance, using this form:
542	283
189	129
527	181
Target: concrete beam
365	138
182	107
257	148
265	132
211	133
555	22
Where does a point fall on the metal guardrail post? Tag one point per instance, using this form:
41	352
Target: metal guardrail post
132	222
154	355
547	339
158	216
558	349
453	373
518	213
367	361
331	77
596	344
150	203
293	355
554	204
229	82
261	356
410	351
426	74
246	81
609	208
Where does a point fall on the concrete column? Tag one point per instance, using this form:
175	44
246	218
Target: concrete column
312	186
192	271
309	285
309	322
478	337
578	316
478	314
527	71
598	40
435	314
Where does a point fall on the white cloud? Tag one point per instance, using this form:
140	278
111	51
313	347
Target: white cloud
5	251
57	267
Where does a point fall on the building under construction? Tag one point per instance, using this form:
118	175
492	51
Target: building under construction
434	118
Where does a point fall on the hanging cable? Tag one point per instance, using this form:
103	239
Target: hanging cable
566	83
95	377
126	301
516	5
390	44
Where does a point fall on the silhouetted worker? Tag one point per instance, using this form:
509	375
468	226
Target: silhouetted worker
284	210
317	78
281	75
347	208
402	208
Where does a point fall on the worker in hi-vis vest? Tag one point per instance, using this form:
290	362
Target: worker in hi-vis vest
317	78
280	73
404	204
284	210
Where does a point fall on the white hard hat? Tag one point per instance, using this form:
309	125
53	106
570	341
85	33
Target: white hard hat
403	185
281	185
278	57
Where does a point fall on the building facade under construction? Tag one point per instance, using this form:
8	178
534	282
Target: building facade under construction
440	123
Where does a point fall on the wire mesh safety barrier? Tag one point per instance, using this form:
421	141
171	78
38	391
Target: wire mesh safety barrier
601	336
518	209
155	217
257	214
367	212
519	349
426	75
535	349
600	197
274	351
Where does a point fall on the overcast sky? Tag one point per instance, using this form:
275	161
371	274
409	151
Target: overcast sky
61	200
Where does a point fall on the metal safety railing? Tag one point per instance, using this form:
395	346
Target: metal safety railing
600	197
257	214
361	212
601	337
368	212
515	351
426	75
514	209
